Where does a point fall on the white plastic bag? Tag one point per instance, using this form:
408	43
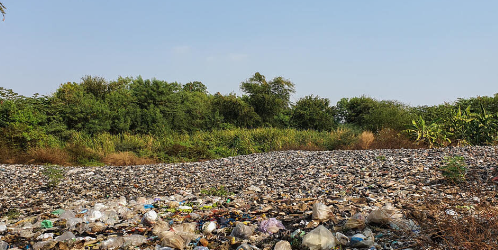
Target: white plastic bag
320	212
319	238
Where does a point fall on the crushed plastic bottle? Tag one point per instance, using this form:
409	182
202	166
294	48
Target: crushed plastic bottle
112	243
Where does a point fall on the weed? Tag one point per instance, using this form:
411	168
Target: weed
454	169
13	214
220	191
380	158
54	174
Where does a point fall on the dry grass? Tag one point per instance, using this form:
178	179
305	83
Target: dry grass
49	156
125	159
468	221
390	139
365	140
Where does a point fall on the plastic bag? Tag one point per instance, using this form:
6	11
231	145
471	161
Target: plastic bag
319	238
171	239
342	239
160	227
379	216
363	240
320	212
242	231
271	226
150	217
357	221
209	227
282	245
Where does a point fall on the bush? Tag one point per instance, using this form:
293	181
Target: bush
454	169
54	174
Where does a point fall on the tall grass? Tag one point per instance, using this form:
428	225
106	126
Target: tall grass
83	149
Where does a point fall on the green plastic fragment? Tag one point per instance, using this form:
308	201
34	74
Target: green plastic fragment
58	211
46	224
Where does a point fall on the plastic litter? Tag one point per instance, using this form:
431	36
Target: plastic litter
271	226
150	217
209	227
3	245
320	212
45	236
112	243
383	215
244	246
158	247
171	239
363	240
3	227
95	215
342	239
134	240
242	231
319	238
282	245
201	248
46	224
58	212
65	236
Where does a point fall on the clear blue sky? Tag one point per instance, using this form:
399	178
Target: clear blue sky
417	52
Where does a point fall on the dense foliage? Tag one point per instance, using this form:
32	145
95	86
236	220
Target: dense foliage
169	121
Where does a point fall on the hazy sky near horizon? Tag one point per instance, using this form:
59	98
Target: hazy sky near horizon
421	52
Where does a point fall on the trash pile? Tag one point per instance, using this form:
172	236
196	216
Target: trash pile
279	200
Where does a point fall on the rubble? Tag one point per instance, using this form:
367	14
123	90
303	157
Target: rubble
347	198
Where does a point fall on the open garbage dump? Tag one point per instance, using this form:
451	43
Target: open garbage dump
369	199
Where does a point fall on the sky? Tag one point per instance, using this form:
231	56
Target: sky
422	52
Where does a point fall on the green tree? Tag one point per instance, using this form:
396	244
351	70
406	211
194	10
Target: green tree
81	110
269	99
233	110
2	10
353	110
313	112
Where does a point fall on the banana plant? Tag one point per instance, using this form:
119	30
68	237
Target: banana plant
432	134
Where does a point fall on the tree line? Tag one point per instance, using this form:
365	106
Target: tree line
133	105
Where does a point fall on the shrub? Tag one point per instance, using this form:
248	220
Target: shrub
454	169
54	174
